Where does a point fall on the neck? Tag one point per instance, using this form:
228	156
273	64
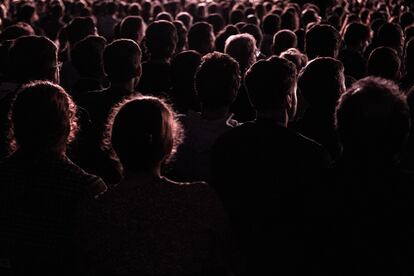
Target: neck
280	117
214	114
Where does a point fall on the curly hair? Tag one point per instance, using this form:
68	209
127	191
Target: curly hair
42	117
142	133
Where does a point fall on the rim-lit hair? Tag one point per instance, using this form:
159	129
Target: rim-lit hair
42	117
142	133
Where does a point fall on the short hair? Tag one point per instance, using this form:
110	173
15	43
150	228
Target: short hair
321	82
86	55
217	80
199	37
255	31
42	116
120	60
356	33
391	35
142	132
283	40
373	116
15	31
384	62
322	40
271	24
79	28
222	36
216	20
132	27
268	82
242	47
164	16
295	56
32	58
161	39
186	18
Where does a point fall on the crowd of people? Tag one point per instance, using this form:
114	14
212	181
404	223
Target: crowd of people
222	137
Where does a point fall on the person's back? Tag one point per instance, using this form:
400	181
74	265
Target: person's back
258	170
149	225
368	226
41	188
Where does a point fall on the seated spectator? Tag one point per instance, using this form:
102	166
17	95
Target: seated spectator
369	198
242	48
41	189
222	36
263	163
271	25
217	81
201	38
132	27
183	69
186	18
148	224
16	31
321	83
122	65
384	62
322	40
255	31
160	41
23	67
283	40
86	57
356	38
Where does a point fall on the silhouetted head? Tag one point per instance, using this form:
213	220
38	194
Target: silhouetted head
290	20
43	118
201	38
122	61
295	56
161	39
357	36
33	58
181	35
242	47
322	82
283	40
322	40
271	24
132	27
217	21
271	85
79	28
391	35
384	62
222	36
255	31
143	133
15	31
217	80
164	16
373	120
186	18
236	16
86	56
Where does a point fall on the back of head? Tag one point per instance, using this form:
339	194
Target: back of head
86	56
283	40
217	80
43	117
322	82
122	60
242	47
255	31
79	28
391	35
384	62
183	68
132	27
372	119
143	132
201	38
322	40
15	31
222	36
161	39
269	82
33	58
186	18
295	56
356	35
271	24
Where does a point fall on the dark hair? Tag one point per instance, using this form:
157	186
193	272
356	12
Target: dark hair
15	31
355	34
271	24
391	35
200	38
132	27
216	20
186	18
283	40
268	82
142	132
409	57
322	40
217	80
242	47
42	117
255	31
384	62
161	39
86	55
33	58
222	36
373	117
321	82
79	28
121	60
